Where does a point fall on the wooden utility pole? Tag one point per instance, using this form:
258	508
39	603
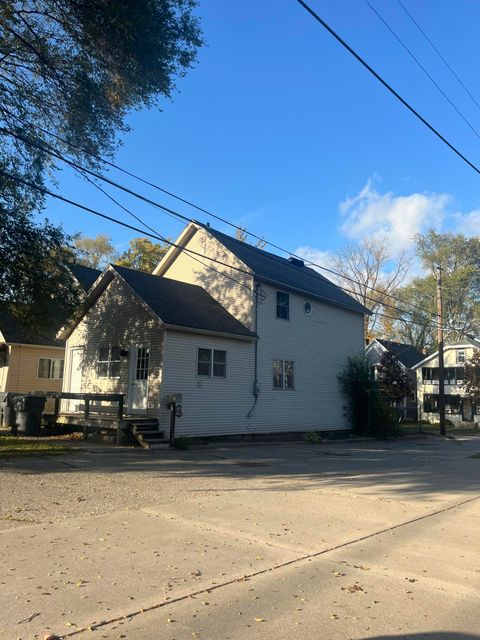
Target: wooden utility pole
441	365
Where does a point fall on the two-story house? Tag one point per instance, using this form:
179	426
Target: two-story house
253	342
458	407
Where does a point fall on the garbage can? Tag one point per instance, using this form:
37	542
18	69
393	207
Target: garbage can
28	410
7	410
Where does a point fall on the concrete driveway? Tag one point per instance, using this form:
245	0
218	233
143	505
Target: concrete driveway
366	540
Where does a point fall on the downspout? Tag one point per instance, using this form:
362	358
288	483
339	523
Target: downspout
256	386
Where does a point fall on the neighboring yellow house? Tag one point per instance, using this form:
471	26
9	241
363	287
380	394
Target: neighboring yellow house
28	362
34	362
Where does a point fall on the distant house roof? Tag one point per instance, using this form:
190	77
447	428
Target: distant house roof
469	343
14	332
177	304
408	355
85	276
292	275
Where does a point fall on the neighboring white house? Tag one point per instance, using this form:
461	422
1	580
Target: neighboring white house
457	407
407	356
253	342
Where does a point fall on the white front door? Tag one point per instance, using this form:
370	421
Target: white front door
138	378
74	378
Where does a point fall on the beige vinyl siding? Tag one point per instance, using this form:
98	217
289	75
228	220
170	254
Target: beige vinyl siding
23	369
118	318
4	369
211	406
450	360
232	290
319	345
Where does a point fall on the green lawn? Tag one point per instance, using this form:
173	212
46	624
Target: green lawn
12	446
408	428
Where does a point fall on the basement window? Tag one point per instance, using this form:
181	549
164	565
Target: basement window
50	368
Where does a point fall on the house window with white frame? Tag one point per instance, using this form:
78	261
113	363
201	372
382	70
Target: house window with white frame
283	305
283	374
211	363
108	362
461	357
50	368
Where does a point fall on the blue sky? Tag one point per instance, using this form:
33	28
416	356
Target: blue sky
279	129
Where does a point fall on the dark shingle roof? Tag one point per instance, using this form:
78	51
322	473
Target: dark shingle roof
180	304
277	270
85	276
14	332
409	356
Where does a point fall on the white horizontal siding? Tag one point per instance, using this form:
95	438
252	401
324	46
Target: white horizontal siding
319	345
211	406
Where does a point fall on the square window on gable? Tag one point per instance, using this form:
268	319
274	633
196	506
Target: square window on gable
283	305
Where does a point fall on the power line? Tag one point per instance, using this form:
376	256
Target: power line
387	85
162	239
425	35
420	65
169	211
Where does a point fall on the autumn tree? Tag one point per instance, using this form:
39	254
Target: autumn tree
70	72
242	234
392	378
142	254
371	274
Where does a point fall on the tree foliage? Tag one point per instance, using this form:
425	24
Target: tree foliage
95	252
241	234
142	254
392	378
459	258
34	258
70	71
472	378
365	409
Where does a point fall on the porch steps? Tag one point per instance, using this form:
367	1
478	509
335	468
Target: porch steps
148	435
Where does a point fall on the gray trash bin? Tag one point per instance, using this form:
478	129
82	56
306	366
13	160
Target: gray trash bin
28	410
7	410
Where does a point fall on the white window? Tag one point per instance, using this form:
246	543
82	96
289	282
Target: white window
283	305
50	368
212	363
108	362
461	357
283	374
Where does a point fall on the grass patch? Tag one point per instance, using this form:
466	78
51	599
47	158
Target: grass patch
476	456
11	446
407	428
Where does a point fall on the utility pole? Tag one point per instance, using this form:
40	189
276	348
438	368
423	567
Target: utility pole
441	365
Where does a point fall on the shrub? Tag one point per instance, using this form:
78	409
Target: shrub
367	411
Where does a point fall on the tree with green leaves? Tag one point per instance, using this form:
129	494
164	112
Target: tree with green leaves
95	252
142	254
392	379
459	258
70	72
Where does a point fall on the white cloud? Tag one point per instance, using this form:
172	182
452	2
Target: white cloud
310	254
370	214
467	223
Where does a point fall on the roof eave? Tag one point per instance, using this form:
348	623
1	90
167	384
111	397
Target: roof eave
209	332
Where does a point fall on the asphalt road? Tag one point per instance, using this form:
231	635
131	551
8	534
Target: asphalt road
366	540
